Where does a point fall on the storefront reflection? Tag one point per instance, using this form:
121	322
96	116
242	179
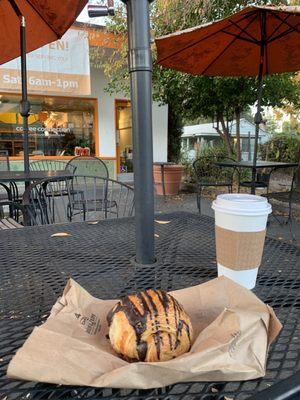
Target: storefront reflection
56	125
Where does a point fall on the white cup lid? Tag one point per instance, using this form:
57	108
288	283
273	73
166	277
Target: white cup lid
242	204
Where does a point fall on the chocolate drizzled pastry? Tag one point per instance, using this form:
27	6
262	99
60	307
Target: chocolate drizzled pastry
149	326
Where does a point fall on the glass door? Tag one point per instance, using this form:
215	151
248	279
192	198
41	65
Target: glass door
124	136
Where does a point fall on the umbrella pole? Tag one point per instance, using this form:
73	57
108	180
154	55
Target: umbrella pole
258	116
140	70
24	103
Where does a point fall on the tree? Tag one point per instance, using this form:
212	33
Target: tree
192	97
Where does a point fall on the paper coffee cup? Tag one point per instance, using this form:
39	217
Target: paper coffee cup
240	224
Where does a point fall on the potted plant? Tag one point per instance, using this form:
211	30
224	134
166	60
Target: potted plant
167	176
82	147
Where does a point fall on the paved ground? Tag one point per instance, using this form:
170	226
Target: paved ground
187	202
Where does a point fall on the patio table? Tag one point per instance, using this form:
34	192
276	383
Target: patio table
13	177
34	269
21	176
259	164
272	165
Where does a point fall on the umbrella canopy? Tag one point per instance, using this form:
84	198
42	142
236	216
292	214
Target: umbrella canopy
231	46
255	41
46	21
26	25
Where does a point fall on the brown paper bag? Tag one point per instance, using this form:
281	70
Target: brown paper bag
232	327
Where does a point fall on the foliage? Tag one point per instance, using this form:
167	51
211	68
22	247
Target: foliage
190	97
174	137
282	147
271	124
208	156
292	126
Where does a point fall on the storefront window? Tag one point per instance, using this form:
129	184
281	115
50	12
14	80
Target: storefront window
56	125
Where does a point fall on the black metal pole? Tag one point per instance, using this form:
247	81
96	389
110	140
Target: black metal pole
258	116
140	69
24	104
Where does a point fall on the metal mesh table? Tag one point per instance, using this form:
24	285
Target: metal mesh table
34	269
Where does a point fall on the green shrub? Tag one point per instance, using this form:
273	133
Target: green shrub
214	153
281	147
188	166
209	155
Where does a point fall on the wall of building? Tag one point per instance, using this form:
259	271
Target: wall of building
107	122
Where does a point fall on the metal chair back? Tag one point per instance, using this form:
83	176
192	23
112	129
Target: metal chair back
51	165
13	192
46	202
82	198
89	166
95	198
209	174
286	193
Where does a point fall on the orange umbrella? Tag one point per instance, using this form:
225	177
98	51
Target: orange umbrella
26	25
254	41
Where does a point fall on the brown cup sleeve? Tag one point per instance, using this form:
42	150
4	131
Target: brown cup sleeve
239	250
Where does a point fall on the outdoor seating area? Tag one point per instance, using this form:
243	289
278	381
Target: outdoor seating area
60	194
133	267
278	181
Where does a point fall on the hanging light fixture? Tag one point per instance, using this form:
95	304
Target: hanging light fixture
95	10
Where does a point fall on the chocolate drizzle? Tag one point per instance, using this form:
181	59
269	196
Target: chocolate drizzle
150	302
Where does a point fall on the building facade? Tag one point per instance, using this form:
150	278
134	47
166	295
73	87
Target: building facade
71	113
195	137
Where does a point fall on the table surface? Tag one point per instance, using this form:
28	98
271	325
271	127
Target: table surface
259	164
34	269
21	176
164	163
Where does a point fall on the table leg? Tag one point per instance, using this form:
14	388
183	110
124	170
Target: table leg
163	180
253	181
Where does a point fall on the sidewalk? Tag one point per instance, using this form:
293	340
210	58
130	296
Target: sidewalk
187	202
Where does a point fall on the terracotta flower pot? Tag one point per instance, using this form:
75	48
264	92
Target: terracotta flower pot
172	178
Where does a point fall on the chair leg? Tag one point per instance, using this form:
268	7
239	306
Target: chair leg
199	192
291	230
69	213
290	210
277	219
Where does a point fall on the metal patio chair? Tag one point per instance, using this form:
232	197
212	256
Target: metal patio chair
288	196
54	165
51	165
10	215
89	165
94	198
46	202
13	188
210	175
262	180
